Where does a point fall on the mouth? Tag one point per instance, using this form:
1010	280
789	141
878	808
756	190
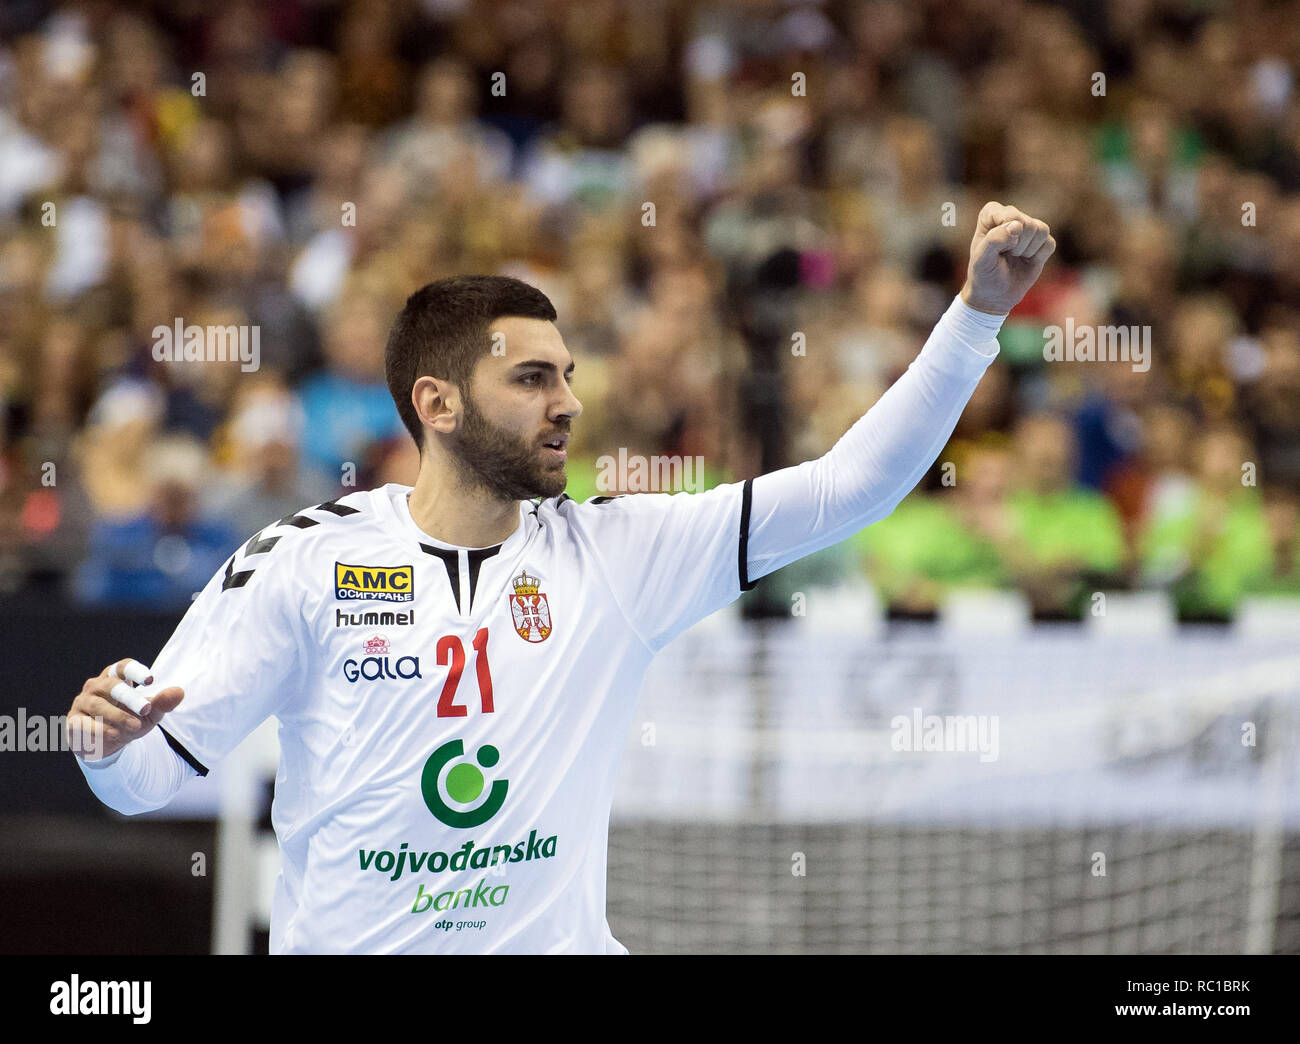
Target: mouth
555	448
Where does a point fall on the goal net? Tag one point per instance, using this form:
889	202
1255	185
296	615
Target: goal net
802	786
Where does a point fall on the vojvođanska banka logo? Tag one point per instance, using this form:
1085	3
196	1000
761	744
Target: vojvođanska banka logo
463	784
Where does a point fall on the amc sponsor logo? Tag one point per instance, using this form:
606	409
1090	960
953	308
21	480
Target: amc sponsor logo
374	583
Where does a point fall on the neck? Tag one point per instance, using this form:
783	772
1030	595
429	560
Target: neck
466	516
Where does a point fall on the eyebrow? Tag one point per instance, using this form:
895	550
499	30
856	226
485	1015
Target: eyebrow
540	364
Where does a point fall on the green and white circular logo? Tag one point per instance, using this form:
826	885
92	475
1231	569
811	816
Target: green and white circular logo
463	783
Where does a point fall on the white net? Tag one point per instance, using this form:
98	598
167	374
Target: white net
1086	793
693	888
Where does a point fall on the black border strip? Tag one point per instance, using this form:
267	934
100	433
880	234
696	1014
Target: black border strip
476	555
451	562
746	492
189	758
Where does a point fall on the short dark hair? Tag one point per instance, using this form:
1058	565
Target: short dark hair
442	331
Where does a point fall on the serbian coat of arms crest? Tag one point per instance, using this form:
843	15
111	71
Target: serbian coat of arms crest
529	609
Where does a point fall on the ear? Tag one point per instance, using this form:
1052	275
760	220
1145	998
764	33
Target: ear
437	402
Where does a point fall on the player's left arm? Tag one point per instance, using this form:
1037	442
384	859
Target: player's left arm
672	559
878	461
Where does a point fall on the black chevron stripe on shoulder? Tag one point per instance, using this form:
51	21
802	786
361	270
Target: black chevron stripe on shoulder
233	579
260	545
335	508
236	579
301	521
605	500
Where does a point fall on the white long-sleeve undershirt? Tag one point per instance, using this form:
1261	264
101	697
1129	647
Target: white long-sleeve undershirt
793	512
142	776
876	463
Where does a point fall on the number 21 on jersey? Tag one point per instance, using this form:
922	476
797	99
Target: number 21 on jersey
452	651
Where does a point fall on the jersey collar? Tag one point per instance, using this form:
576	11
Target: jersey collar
390	502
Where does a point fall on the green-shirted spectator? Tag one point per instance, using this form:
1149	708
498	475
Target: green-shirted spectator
1063	541
1282	517
1215	547
934	544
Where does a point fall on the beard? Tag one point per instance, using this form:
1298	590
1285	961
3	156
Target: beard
507	466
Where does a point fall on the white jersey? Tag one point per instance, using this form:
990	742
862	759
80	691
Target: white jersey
452	719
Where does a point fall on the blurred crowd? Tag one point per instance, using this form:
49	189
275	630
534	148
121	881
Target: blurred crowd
748	213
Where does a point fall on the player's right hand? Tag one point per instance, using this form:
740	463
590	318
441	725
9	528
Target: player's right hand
1007	254
103	725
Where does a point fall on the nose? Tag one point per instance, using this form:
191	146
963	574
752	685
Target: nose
569	406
